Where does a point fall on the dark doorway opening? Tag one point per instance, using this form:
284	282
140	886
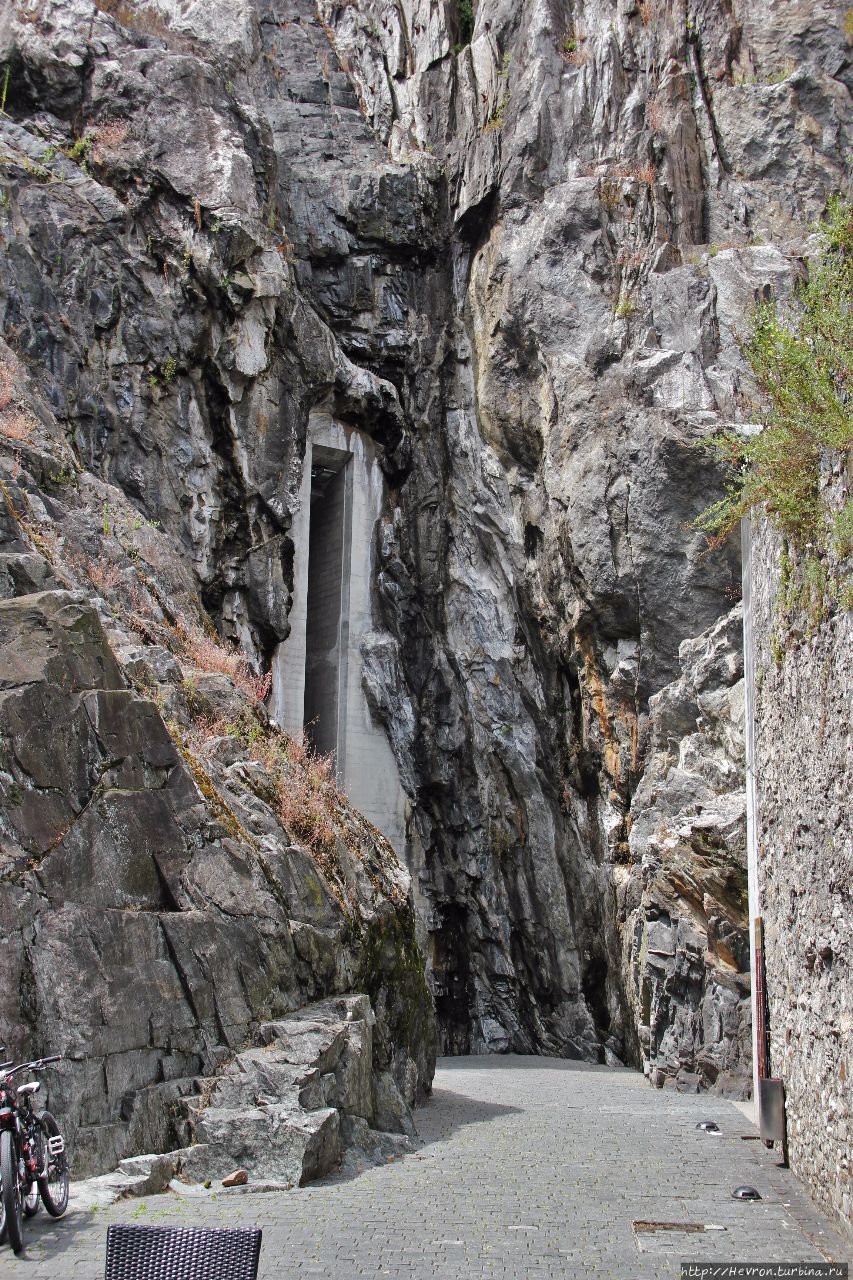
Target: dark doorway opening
327	614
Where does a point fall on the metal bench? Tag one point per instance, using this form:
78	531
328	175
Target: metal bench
182	1253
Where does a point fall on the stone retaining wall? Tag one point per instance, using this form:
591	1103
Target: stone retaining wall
804	675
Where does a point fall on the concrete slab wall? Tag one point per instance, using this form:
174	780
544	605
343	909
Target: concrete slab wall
367	769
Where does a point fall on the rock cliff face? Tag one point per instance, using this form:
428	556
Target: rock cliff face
176	877
686	942
516	258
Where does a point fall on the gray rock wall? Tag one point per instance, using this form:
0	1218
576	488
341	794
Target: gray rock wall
519	266
620	195
148	932
686	937
804	677
174	875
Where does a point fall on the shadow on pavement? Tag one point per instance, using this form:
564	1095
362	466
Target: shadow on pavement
49	1238
450	1107
447	1111
452	1110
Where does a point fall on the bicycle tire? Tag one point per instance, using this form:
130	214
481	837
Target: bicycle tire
11	1191
54	1192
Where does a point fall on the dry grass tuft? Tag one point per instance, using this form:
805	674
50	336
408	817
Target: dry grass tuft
7	386
609	194
202	729
301	792
285	248
103	574
15	423
207	652
656	116
107	136
16	426
646	173
571	51
307	796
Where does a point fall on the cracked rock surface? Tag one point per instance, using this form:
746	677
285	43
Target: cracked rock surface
686	938
520	265
157	911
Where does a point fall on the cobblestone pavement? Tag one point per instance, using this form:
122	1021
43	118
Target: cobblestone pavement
531	1168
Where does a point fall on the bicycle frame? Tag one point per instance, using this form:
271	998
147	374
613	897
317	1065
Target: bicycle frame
17	1115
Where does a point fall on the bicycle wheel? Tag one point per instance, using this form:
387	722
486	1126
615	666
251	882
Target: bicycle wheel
54	1185
2	1215
11	1191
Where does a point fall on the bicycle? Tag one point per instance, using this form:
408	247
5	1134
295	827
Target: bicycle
33	1158
3	1067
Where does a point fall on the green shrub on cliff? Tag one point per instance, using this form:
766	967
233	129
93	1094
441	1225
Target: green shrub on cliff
802	361
465	20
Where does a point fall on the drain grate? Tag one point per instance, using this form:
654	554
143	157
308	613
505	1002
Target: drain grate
665	1238
647	1228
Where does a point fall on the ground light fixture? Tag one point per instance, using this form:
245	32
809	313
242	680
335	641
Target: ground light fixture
709	1126
745	1193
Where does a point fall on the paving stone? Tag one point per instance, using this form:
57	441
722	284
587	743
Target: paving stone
532	1169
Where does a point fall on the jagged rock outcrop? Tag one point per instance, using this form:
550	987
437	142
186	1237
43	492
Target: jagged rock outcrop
282	1113
518	265
156	911
287	1111
687	936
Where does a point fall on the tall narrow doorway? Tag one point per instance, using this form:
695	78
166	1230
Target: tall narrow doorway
335	658
327	605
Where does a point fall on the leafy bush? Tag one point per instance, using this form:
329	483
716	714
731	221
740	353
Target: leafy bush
465	19
801	359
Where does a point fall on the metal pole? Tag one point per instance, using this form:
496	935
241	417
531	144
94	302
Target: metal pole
751	807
